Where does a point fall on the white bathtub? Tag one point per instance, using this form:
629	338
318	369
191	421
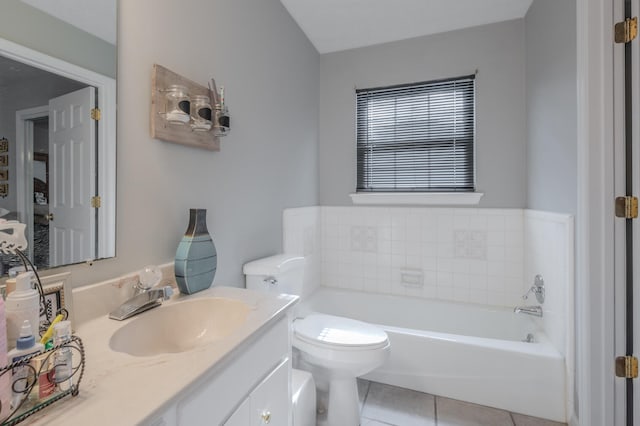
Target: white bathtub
462	351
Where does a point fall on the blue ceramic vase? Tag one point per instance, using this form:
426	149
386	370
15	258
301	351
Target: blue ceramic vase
196	257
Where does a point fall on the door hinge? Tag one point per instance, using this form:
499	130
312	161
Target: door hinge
96	201
627	207
626	30
627	367
96	114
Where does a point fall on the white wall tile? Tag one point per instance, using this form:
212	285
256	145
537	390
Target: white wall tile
495	222
445	243
413	261
430	263
445	293
550	252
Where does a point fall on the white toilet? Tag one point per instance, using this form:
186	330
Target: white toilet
334	349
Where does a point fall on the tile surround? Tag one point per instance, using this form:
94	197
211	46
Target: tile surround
301	230
467	255
464	254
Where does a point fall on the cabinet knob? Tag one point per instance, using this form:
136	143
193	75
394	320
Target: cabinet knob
266	417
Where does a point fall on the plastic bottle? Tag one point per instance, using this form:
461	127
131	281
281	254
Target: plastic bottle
63	359
5	379
22	377
22	304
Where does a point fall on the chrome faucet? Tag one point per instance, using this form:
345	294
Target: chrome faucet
143	301
536	311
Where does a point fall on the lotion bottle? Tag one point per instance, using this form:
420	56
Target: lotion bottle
22	375
22	304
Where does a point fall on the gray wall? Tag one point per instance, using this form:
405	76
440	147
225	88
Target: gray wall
267	163
551	86
30	27
496	51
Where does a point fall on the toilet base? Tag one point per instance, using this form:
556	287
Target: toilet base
337	395
344	409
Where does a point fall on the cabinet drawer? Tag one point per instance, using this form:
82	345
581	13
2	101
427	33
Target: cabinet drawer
271	399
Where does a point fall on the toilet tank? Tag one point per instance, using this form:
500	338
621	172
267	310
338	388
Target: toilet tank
283	273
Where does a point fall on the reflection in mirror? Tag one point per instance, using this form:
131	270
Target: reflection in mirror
59	120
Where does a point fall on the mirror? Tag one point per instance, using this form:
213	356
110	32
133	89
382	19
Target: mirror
57	129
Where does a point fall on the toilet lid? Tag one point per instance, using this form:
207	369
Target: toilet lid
339	331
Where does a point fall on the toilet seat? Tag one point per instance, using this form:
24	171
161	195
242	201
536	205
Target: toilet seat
339	333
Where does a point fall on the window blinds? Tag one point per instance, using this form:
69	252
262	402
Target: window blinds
417	137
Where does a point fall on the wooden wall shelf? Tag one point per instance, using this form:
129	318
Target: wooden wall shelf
161	79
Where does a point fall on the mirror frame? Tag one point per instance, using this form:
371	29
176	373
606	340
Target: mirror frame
106	86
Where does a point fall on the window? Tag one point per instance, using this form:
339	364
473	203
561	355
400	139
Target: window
417	137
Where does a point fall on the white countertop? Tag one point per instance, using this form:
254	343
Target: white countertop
121	389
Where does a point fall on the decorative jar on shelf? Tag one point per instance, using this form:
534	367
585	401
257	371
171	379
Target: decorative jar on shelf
196	257
178	105
200	113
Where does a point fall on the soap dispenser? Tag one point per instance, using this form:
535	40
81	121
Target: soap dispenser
23	376
22	304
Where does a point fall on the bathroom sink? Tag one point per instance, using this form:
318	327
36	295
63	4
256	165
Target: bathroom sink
180	327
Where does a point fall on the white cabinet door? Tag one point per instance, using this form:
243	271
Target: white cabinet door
242	416
271	399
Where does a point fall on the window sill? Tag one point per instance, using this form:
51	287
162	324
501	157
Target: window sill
410	198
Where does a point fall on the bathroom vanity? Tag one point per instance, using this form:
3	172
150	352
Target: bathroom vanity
239	377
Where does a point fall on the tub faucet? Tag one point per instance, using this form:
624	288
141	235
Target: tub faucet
536	311
141	302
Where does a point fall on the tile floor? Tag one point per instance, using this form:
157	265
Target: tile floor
384	405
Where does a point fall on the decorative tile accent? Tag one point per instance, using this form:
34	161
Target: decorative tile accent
364	238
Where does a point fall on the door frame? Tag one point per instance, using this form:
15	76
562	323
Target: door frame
106	152
598	130
635	104
24	167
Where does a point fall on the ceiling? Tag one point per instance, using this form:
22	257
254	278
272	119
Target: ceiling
97	17
334	25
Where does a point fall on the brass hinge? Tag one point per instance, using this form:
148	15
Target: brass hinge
96	201
96	114
627	367
626	30
627	207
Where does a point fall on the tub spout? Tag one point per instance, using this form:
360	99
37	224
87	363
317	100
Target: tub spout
536	311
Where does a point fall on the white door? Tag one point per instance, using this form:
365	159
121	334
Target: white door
72	171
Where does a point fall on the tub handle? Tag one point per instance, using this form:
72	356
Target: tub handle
537	288
270	281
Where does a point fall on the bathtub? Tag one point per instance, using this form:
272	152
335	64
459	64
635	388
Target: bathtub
462	351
